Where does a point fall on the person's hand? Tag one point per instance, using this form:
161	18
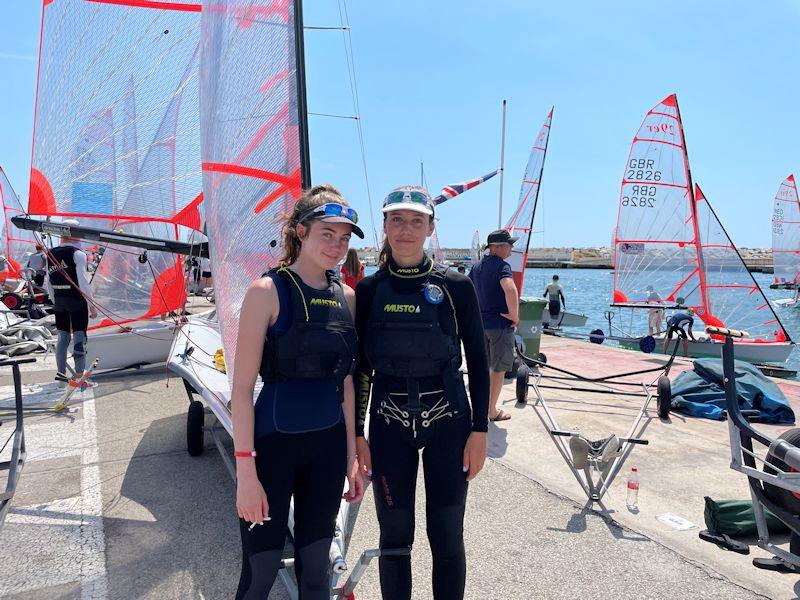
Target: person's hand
513	318
92	312
251	499
355	482
364	457
475	453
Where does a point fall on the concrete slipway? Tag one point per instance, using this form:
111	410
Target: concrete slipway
110	505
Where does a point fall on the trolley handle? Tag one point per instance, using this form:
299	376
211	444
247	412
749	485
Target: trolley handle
10	362
565	433
640	441
727	332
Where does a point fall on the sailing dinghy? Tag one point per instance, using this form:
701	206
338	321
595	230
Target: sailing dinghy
672	252
116	147
521	222
786	241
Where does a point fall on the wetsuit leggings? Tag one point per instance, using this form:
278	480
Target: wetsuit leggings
394	478
312	466
72	321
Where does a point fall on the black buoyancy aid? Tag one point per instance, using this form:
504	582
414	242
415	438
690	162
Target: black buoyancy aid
321	341
405	339
60	266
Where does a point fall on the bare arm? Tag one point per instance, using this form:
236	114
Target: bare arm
259	309
512	298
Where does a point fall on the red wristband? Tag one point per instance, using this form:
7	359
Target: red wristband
248	454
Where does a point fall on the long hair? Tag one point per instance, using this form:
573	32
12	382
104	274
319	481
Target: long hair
312	197
386	249
351	263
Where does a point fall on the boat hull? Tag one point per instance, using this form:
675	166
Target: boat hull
752	352
565	319
196	368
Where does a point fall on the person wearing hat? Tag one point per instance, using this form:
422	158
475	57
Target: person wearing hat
676	324
73	304
296	331
412	317
499	301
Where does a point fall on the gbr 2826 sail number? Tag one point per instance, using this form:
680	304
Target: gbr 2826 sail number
641	169
643	196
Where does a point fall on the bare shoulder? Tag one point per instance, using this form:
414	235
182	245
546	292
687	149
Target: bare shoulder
349	293
263	293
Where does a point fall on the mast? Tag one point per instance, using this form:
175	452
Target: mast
701	266
302	103
502	159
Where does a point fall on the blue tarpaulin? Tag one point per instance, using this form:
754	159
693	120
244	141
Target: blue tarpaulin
699	393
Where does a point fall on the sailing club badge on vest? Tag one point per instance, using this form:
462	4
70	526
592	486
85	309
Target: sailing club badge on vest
433	293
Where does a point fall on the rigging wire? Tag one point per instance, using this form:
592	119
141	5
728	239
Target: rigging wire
347	40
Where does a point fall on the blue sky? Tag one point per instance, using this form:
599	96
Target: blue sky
432	75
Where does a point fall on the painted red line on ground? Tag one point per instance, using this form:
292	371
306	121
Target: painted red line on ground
152	4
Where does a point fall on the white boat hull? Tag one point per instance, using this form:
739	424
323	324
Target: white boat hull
564	319
752	352
145	344
201	332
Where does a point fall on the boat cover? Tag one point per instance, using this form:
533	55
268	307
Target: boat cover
699	393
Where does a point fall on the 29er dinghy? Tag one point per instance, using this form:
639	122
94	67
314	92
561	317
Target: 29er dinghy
786	241
672	252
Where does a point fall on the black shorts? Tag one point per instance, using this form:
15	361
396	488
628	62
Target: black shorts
676	329
206	274
72	316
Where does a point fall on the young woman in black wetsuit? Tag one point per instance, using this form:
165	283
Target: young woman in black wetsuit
296	330
411	317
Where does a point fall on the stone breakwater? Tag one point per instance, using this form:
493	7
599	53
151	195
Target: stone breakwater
756	259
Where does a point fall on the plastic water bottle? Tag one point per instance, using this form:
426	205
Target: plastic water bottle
633	489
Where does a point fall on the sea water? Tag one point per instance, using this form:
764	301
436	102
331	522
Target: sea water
588	291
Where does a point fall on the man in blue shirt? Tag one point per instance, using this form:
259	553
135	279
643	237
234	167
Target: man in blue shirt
675	324
499	302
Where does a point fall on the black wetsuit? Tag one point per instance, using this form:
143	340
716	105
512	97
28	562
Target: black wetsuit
300	437
395	440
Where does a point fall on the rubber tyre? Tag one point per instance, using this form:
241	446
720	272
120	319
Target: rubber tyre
664	396
780	496
541	357
195	419
12	301
523	377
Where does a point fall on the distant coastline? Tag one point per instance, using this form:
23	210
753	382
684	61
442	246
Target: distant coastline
757	259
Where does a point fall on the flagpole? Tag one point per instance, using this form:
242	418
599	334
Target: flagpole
502	159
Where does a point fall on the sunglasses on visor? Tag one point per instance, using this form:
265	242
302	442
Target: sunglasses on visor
329	210
404	197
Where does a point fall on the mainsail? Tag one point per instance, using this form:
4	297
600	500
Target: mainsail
670	248
434	248
116	143
521	222
255	151
786	234
17	244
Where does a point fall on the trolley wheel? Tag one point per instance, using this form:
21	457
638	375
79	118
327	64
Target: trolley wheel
596	336
789	500
647	344
523	376
664	396
11	300
195	419
541	357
